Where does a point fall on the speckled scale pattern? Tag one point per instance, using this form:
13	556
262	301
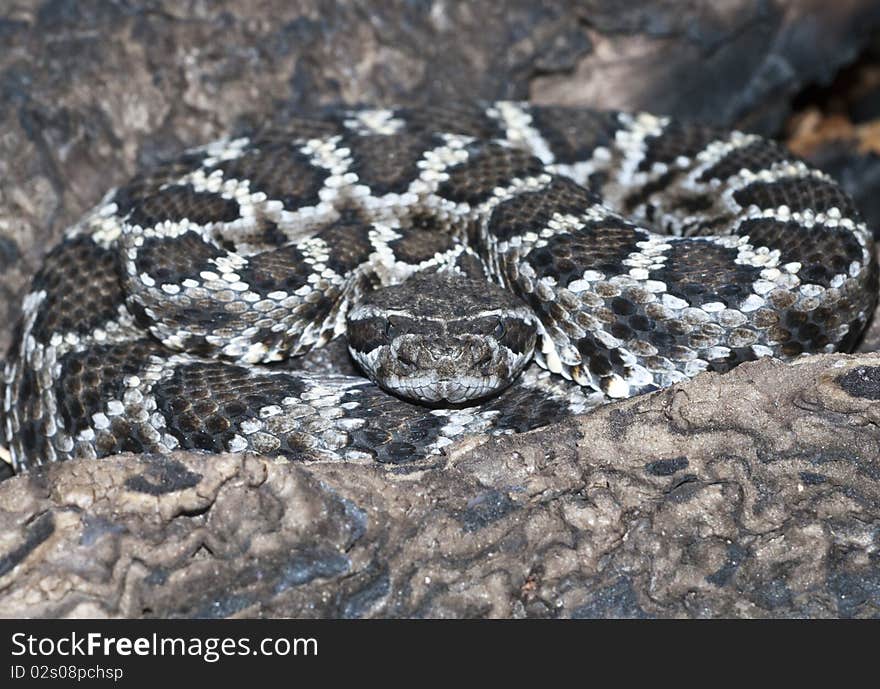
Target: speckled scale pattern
677	140
758	155
470	119
387	165
573	135
277	169
193	255
523	212
799	195
206	402
823	251
176	314
92	375
178	202
69	308
488	167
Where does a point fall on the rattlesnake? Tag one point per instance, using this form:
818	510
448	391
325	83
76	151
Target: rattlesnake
630	251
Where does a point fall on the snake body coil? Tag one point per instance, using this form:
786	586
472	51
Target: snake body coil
629	251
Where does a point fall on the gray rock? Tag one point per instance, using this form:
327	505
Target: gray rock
750	494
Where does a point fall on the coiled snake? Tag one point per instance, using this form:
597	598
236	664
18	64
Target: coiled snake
628	251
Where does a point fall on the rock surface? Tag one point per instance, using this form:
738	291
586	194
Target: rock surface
750	494
756	493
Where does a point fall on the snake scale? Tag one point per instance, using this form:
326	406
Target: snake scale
451	245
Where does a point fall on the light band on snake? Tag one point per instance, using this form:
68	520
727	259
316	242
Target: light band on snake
451	246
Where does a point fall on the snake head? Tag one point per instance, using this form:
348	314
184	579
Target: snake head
440	337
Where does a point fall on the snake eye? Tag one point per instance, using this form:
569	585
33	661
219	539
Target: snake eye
392	329
499	329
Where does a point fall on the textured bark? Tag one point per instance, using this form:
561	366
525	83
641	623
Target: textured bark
750	494
755	493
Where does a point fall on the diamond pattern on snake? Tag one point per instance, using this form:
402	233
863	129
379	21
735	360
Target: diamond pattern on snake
489	268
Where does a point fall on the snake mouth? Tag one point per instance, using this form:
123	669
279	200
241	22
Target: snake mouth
436	390
455	371
441	382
